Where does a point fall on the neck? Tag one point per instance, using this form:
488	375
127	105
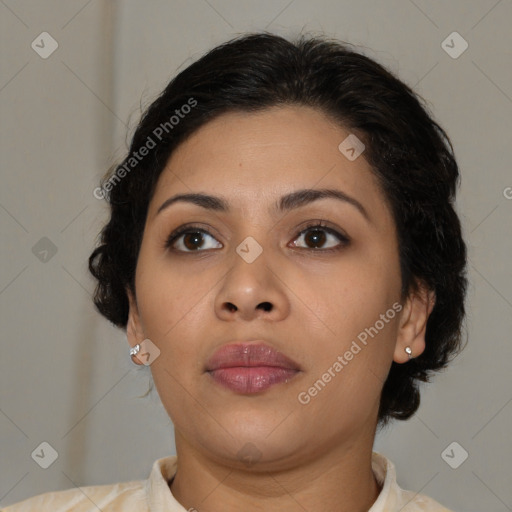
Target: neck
341	480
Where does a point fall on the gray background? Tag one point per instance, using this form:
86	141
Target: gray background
66	377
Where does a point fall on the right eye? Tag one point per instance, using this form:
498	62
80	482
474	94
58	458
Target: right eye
189	238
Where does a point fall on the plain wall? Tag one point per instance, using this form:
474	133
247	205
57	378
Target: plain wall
66	377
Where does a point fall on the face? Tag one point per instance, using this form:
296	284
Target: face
312	288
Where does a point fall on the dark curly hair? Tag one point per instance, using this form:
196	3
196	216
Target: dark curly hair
410	154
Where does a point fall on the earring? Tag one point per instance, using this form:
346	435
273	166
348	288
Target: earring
409	352
133	352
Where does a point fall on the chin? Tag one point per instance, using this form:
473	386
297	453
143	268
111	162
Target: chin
259	454
258	442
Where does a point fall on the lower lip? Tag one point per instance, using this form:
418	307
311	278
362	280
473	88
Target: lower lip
252	379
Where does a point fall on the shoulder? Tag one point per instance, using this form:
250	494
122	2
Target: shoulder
107	498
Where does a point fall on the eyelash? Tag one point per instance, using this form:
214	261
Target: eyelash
192	229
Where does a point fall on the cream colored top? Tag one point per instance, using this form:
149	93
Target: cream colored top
154	495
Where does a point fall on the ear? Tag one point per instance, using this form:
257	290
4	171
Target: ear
413	323
134	329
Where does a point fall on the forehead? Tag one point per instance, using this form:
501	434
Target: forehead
252	159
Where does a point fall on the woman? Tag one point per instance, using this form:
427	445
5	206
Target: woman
284	254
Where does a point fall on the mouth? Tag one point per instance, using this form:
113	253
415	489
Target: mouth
250	368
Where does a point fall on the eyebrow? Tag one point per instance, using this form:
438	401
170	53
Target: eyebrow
286	203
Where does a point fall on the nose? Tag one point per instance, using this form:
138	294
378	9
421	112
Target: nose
252	290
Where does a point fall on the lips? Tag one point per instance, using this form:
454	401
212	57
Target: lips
250	367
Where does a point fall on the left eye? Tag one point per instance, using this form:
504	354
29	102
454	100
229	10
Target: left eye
316	235
191	239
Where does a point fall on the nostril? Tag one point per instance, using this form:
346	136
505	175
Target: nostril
266	306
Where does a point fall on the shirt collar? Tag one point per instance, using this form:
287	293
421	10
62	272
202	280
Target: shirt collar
160	498
385	474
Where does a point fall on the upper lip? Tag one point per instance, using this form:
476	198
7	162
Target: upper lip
249	354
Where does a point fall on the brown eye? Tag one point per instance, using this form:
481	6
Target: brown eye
316	236
193	240
189	239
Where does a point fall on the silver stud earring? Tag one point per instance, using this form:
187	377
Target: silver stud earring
133	352
409	352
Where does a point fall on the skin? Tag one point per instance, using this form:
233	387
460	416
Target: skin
309	457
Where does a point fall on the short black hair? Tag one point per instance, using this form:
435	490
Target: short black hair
409	153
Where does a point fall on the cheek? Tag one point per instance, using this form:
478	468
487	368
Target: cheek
344	299
351	357
170	305
354	324
175	308
170	297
